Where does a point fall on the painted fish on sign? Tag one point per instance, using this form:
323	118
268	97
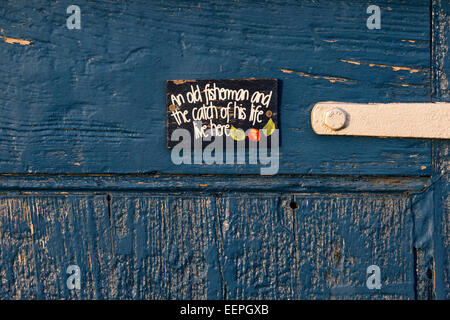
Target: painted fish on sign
240	110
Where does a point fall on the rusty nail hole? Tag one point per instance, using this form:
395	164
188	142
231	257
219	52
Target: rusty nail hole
293	205
172	107
268	113
337	255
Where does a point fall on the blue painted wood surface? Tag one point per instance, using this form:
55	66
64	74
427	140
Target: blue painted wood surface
92	100
431	209
437	249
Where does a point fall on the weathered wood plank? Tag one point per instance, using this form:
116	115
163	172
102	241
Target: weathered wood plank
441	58
442	221
232	246
439	250
146	246
192	247
339	236
92	100
40	236
165	248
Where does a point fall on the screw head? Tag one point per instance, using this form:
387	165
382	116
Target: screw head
335	119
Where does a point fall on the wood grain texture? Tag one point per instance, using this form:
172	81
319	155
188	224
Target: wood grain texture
165	248
256	247
203	247
418	120
441	58
92	100
432	206
230	246
339	236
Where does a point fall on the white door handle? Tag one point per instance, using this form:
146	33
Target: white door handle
409	120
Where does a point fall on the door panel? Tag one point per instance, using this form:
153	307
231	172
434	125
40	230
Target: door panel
229	246
339	236
435	248
87	180
93	101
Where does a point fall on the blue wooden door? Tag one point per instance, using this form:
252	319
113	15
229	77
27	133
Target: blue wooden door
86	178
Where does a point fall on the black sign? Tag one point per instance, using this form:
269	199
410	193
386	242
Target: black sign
242	110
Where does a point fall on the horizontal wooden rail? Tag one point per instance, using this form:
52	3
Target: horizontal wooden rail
407	120
207	183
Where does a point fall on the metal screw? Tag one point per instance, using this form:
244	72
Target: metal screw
335	119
